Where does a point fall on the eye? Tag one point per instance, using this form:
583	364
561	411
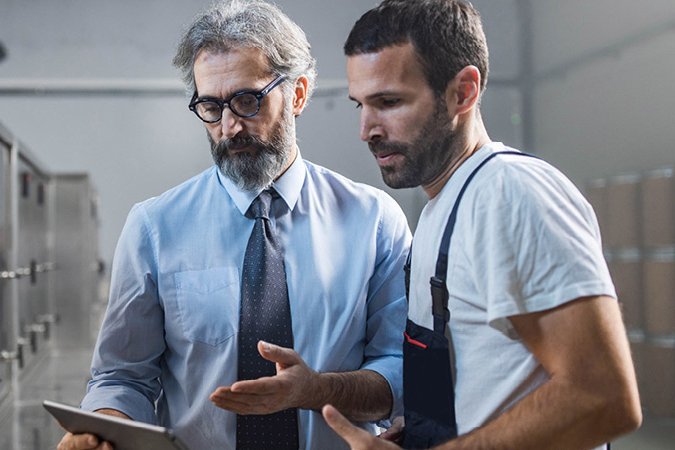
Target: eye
208	107
246	101
358	105
388	102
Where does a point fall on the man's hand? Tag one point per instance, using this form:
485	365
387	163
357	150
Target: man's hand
291	387
88	441
356	438
82	442
395	432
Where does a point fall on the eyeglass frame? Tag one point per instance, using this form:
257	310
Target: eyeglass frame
259	95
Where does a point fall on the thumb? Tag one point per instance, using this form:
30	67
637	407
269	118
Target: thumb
355	437
280	355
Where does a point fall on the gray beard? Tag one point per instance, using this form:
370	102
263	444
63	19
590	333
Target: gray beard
258	170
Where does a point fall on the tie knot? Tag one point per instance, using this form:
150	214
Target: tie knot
261	205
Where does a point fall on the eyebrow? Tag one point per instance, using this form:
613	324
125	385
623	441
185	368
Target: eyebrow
378	95
238	91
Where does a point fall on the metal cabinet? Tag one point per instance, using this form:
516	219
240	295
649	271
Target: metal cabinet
7	332
49	260
77	285
33	257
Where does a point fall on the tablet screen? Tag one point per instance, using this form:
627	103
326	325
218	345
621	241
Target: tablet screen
123	434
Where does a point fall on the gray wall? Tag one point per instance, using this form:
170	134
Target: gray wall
606	95
609	112
135	147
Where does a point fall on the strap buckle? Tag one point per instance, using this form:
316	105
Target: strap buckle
439	298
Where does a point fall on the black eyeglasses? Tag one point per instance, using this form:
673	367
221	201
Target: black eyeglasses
243	103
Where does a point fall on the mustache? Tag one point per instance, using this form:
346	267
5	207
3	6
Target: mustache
385	147
238	142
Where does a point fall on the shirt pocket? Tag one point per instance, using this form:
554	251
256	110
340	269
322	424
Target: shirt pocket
208	303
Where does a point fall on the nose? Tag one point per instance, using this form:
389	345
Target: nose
371	130
230	124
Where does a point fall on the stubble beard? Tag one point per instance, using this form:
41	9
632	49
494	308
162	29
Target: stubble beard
426	157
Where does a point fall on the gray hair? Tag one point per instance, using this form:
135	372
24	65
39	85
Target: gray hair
248	23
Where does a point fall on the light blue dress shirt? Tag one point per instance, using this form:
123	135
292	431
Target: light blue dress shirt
169	337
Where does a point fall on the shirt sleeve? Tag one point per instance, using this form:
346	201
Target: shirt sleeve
387	306
126	362
537	244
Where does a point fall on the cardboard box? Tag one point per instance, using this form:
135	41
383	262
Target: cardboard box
659	294
658	208
623	213
627	277
658	386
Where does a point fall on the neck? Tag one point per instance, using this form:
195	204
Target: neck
291	159
470	142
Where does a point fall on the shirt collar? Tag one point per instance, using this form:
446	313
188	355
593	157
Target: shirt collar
288	186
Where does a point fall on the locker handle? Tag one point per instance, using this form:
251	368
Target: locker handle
47	320
33	271
20	352
33	330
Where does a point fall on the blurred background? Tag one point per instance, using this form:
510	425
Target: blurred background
94	118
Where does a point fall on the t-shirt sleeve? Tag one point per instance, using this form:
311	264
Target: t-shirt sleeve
537	243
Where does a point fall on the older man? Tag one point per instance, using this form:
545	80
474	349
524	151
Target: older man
252	294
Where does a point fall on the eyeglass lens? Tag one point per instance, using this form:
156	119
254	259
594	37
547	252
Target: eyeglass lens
245	104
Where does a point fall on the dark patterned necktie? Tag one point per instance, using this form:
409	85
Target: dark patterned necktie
264	315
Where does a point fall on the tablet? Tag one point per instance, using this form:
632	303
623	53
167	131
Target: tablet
123	434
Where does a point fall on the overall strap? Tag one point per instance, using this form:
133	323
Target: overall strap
439	289
406	269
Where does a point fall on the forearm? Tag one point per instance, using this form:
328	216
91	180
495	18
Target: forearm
362	395
557	415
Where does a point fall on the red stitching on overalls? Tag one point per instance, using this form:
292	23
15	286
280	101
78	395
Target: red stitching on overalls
413	341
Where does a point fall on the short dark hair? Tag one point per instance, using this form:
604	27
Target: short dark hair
447	36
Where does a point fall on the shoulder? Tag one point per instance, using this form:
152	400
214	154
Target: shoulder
328	182
181	196
515	198
356	205
519	171
520	181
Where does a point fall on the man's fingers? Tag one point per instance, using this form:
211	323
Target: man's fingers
280	355
261	386
395	432
354	436
220	391
238	407
247	404
82	441
239	398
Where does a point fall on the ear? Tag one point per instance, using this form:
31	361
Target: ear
463	92
300	95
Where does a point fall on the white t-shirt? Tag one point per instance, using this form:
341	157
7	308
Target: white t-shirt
525	240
